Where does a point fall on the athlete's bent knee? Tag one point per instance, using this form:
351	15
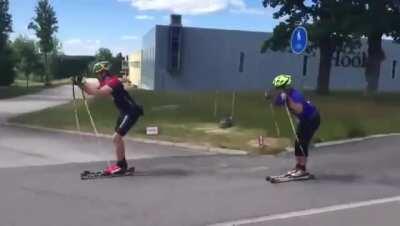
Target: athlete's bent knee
117	138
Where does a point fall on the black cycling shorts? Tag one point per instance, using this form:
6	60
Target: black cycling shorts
125	122
305	131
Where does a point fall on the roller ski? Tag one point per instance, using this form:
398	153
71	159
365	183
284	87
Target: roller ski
109	172
293	175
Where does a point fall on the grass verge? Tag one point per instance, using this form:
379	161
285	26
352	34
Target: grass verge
193	117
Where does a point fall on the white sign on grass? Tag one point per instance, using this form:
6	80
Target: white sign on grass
152	130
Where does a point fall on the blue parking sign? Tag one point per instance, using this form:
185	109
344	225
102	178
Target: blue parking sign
299	40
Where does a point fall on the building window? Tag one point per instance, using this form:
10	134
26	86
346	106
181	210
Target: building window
241	62
305	63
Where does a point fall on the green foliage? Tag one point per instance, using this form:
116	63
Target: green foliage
324	19
330	24
355	132
376	16
116	64
280	38
375	19
338	25
27	57
45	25
67	66
7	63
104	54
5	23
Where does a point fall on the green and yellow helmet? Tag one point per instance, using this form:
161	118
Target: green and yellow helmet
282	81
101	66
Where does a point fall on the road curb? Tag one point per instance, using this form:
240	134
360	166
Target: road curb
198	147
141	140
353	140
347	141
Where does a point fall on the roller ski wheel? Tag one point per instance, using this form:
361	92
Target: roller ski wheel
269	178
85	172
288	178
91	175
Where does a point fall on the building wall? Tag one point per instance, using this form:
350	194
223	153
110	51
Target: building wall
392	52
211	61
135	68
348	73
148	60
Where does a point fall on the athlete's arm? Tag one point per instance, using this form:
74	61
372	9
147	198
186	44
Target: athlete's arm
295	102
280	99
94	90
295	106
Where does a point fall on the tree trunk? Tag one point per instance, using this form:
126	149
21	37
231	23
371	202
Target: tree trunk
326	52
373	66
27	80
47	80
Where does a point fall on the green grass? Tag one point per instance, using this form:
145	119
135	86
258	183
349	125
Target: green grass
189	117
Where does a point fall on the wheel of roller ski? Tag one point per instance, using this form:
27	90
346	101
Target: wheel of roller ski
273	180
269	178
86	172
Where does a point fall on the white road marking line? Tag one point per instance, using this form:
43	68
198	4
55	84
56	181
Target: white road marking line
309	212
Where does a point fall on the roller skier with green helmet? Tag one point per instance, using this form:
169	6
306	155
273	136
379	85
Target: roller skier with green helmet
285	95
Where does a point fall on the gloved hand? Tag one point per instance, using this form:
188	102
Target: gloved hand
270	94
78	80
283	96
267	95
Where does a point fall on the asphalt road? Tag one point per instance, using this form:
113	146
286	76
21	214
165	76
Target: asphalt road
357	184
206	190
35	102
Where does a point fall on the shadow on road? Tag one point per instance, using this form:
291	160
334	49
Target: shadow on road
343	178
163	172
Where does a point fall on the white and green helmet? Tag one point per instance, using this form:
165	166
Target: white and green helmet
282	81
101	66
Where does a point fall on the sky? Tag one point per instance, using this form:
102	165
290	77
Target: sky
87	25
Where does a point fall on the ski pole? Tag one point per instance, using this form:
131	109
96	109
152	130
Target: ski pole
89	113
78	127
233	104
92	121
268	95
278	132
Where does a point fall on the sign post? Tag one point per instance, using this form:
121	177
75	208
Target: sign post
298	44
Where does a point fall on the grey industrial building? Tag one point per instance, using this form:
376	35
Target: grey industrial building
182	58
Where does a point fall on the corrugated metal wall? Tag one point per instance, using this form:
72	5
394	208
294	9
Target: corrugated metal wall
231	60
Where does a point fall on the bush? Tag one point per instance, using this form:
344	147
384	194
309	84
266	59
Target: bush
67	66
7	65
354	132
